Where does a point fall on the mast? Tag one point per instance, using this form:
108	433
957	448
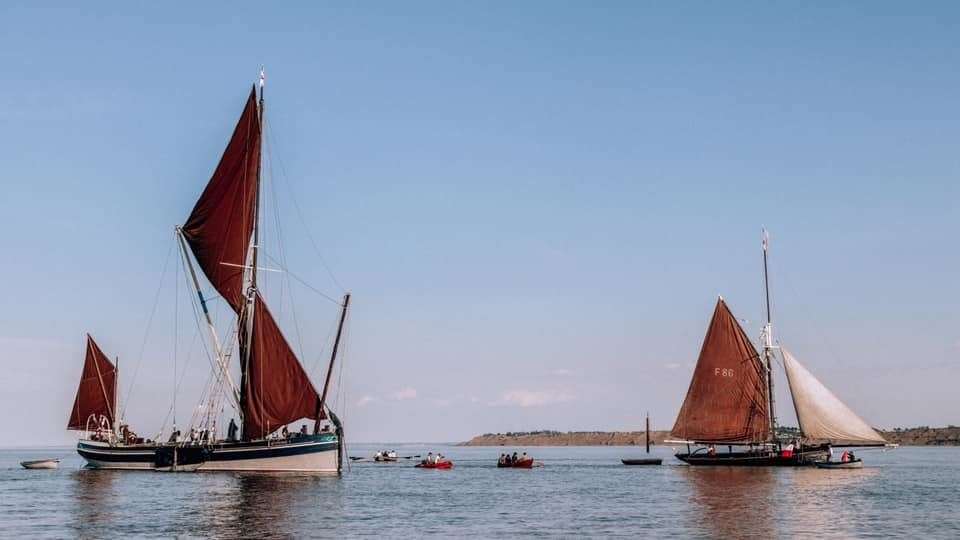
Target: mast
247	316
116	397
221	361
768	342
333	353
648	432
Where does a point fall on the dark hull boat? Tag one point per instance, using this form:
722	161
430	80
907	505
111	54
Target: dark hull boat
308	453
803	458
642	461
220	241
855	464
730	403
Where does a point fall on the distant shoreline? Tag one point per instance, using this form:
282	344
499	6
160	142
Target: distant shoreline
916	436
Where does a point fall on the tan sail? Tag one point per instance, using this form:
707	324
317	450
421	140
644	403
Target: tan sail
822	416
727	399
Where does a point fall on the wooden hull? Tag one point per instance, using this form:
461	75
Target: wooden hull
306	454
857	464
642	461
522	464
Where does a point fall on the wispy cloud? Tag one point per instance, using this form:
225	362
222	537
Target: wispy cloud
404	393
562	372
531	398
673	365
365	400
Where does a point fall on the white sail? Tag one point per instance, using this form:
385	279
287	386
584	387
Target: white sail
821	414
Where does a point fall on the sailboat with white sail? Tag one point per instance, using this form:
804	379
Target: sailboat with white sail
221	235
730	403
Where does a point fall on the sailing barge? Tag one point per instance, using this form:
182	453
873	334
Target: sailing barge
222	235
729	410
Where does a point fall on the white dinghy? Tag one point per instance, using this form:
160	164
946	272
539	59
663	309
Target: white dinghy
41	464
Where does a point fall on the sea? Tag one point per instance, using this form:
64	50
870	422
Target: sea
909	492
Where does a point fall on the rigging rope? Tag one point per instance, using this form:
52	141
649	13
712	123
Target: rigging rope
146	334
303	222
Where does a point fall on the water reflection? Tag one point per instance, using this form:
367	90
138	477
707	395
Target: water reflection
733	502
272	505
94	496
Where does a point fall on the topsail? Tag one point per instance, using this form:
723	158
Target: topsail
221	224
727	398
822	416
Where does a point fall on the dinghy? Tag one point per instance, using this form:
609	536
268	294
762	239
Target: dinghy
855	464
519	464
447	464
41	464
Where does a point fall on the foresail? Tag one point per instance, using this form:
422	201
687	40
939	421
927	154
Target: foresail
277	389
97	391
221	224
727	398
822	416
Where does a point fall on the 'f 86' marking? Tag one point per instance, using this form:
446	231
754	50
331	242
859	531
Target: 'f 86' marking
723	372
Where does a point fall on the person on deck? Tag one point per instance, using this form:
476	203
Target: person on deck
303	430
844	457
514	458
232	430
711	451
430	459
523	457
285	433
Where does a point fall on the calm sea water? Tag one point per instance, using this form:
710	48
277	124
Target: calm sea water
579	492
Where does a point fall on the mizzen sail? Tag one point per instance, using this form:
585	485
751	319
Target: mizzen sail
96	395
727	399
221	224
822	416
276	390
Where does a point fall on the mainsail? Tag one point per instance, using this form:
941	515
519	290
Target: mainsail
221	223
727	400
277	389
96	395
822	416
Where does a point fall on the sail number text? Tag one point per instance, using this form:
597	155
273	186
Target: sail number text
723	372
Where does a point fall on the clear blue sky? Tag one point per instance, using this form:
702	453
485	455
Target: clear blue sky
535	205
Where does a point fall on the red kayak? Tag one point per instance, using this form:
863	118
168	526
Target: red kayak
441	465
520	464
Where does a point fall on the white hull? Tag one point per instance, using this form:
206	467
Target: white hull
317	462
41	464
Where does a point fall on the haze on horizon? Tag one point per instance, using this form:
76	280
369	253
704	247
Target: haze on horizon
535	206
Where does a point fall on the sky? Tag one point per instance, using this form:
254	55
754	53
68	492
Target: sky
534	205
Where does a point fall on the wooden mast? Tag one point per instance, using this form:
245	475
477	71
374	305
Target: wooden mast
333	353
248	315
768	343
648	432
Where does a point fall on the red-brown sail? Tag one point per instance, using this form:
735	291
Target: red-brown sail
220	225
727	398
96	395
277	390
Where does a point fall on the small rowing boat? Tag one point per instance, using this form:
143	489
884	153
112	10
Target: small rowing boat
854	464
447	464
519	464
41	464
